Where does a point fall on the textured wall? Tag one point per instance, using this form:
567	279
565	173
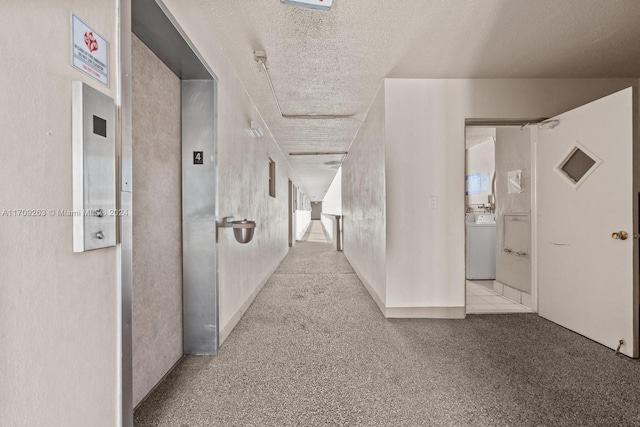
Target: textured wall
58	309
363	200
513	152
243	179
425	149
157	236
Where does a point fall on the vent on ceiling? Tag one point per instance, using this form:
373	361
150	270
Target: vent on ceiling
260	57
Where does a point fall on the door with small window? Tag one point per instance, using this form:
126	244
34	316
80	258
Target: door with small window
587	271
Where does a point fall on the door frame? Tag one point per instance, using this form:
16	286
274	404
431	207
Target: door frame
534	191
164	36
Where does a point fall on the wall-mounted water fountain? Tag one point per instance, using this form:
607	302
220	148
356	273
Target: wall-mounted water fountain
242	229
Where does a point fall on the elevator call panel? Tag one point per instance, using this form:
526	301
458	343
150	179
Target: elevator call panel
94	169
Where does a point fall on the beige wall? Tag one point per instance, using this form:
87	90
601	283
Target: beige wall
363	201
157	226
425	122
58	310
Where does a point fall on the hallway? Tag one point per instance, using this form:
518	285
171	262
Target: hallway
314	350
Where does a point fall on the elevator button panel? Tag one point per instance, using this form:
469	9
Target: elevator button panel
94	169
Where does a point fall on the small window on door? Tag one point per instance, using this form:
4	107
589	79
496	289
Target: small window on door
272	178
577	165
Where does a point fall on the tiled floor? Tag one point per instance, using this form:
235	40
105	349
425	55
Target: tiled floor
481	299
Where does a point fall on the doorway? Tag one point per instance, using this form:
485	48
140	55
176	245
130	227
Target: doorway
499	200
583	219
171	233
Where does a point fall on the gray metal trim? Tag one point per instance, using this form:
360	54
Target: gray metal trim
94	169
155	26
504	122
124	103
199	218
126	272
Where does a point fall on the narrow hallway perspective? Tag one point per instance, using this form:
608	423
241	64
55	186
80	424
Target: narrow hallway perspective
314	350
315	233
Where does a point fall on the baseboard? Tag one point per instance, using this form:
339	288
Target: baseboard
224	332
409	312
374	295
426	312
512	293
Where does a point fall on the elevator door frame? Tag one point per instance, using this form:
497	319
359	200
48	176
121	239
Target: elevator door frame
158	29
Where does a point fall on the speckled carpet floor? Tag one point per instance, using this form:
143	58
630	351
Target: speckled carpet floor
314	350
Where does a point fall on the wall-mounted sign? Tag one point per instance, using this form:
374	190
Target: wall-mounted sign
198	157
89	51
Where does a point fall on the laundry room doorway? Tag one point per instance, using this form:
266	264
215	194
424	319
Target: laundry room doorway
499	196
580	231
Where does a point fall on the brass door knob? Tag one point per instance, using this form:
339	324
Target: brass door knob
620	235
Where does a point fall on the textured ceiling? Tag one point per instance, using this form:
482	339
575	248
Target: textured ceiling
332	63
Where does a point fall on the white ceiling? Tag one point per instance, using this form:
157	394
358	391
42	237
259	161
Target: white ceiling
332	63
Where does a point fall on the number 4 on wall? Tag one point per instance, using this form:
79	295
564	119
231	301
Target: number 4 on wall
198	157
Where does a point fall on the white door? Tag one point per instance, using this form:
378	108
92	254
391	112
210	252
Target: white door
587	276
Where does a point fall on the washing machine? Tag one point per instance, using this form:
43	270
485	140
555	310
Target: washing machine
481	247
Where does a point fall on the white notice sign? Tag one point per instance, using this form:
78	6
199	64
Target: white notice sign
90	52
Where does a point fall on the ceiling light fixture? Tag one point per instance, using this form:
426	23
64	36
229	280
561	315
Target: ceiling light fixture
256	130
549	124
260	56
310	4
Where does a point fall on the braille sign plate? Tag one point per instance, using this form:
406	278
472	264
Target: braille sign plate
89	51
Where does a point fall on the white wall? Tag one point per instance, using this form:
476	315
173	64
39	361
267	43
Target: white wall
425	121
332	202
364	201
243	179
303	220
58	310
329	224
